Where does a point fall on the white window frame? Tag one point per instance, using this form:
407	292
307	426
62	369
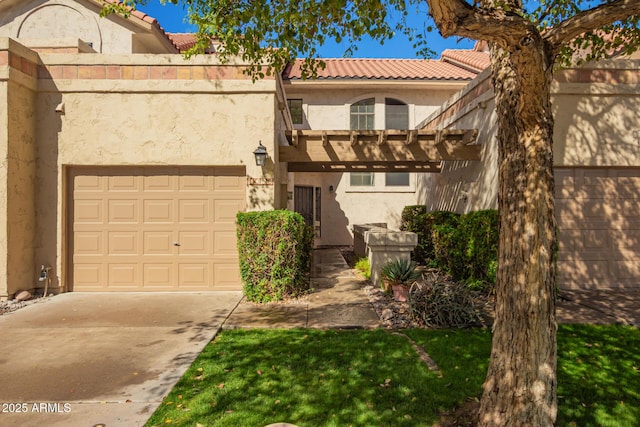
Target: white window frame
379	185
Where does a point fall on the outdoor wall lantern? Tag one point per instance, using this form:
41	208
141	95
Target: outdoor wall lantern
261	154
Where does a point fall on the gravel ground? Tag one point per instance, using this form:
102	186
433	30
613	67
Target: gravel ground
13	305
393	314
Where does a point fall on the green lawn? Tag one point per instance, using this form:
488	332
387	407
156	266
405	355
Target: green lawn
375	378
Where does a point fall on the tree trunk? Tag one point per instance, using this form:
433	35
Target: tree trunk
520	388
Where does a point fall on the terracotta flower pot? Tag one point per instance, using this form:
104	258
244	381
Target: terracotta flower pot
400	293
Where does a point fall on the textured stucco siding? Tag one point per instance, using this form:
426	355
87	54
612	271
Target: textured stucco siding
37	20
176	127
328	108
20	189
596	124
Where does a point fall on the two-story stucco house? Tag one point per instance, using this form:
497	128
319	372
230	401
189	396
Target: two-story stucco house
124	164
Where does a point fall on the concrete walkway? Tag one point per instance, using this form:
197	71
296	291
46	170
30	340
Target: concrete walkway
599	307
109	359
83	359
337	302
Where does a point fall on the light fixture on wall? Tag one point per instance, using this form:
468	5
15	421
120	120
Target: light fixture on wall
331	189
261	154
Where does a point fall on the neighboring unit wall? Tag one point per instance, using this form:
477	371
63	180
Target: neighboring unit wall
596	161
596	115
465	186
38	22
18	168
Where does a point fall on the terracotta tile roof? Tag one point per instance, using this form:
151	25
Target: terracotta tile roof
471	59
183	41
383	69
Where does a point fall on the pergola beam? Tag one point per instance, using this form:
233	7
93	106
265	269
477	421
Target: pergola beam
391	146
364	167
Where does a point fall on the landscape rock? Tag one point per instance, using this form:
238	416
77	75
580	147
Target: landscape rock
23	296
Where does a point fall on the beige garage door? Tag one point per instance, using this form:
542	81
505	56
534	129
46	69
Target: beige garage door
155	229
598	212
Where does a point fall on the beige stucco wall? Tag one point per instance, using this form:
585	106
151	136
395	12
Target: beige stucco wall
464	186
327	106
36	21
596	124
155	110
17	177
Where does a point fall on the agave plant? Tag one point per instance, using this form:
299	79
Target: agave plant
400	272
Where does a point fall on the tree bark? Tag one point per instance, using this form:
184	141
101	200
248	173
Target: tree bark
520	388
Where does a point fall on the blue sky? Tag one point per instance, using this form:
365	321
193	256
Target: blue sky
172	19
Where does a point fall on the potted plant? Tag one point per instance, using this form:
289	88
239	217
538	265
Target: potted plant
397	275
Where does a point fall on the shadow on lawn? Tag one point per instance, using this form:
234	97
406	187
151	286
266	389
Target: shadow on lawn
321	378
598	376
375	378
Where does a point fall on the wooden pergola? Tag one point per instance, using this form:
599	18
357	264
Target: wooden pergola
377	150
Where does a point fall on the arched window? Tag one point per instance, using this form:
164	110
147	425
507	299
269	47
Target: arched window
362	115
396	114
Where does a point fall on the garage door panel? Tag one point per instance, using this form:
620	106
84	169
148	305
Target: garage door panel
158	243
155	228
195	183
123	211
88	183
123	243
162	182
158	211
158	275
579	273
195	275
225	243
194	210
194	243
226	210
225	276
598	213
123	275
89	211
627	271
126	183
227	180
90	276
88	243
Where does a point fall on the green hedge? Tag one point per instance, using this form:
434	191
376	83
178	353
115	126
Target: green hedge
275	254
413	220
465	246
423	223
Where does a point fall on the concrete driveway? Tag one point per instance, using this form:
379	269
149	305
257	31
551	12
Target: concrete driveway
108	359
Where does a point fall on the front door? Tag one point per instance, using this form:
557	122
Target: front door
306	201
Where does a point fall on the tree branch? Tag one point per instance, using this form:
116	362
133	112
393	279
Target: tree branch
590	20
457	17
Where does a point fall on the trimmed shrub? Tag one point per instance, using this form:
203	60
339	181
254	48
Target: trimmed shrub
480	232
438	301
410	215
275	254
438	226
465	246
413	219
